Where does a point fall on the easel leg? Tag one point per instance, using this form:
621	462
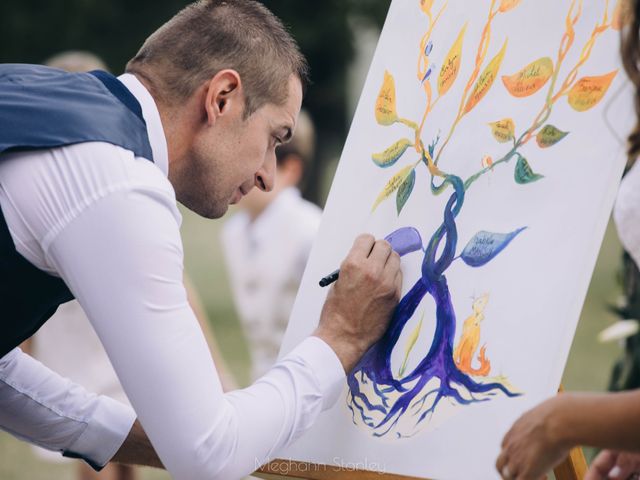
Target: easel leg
573	468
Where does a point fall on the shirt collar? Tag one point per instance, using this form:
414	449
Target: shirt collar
263	224
152	118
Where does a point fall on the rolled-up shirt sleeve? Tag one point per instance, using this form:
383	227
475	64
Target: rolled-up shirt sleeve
122	258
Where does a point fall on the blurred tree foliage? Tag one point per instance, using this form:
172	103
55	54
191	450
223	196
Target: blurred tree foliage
32	30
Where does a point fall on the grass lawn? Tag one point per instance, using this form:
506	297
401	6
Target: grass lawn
587	369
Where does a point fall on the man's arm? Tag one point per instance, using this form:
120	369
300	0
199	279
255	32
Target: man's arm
376	285
130	284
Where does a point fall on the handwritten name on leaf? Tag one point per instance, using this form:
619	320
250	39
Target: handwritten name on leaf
503	130
524	174
392	185
386	101
588	91
530	79
549	136
451	65
484	246
392	154
486	79
404	192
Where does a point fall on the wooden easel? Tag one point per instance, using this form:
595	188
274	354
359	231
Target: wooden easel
573	468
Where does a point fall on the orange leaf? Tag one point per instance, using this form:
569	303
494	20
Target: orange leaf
486	79
506	5
588	91
451	64
530	79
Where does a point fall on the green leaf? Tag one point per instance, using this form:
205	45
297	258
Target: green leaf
392	185
549	136
404	192
392	154
524	173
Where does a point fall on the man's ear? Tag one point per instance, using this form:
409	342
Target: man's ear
223	96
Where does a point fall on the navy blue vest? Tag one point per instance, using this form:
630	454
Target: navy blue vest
42	107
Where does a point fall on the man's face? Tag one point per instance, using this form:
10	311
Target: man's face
228	159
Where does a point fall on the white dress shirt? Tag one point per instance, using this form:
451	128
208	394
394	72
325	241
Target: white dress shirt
266	258
106	222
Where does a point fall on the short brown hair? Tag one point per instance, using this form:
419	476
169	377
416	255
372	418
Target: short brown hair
211	35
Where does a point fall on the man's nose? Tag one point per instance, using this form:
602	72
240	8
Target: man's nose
265	177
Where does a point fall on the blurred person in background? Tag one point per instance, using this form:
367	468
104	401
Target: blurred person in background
542	437
266	246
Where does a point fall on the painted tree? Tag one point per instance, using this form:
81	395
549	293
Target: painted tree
378	398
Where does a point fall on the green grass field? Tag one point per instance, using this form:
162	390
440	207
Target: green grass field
587	368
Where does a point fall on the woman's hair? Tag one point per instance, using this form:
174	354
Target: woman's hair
212	35
630	50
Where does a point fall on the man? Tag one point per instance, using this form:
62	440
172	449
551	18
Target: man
266	246
86	213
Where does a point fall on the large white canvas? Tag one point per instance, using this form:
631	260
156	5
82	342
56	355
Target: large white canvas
528	292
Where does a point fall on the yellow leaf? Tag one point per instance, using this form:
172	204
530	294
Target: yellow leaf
506	5
451	64
386	102
391	154
392	185
588	91
426	5
503	130
411	342
530	79
486	79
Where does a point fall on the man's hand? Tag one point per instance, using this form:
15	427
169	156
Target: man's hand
360	304
610	464
534	445
137	449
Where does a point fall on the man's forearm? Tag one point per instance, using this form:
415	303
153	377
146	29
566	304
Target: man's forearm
137	449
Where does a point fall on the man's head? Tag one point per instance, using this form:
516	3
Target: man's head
228	81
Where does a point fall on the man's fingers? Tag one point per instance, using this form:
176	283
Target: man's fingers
398	283
380	253
362	246
601	465
501	461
